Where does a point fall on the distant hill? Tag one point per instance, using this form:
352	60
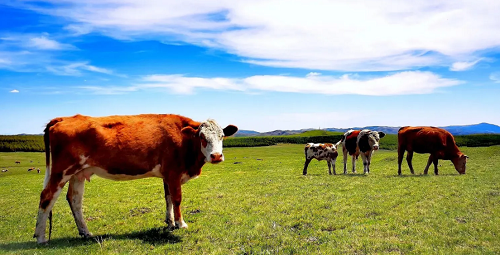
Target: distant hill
481	128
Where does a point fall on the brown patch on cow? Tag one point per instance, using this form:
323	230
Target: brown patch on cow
322	146
350	142
308	145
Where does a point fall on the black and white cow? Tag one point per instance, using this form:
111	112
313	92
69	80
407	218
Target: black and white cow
321	151
360	142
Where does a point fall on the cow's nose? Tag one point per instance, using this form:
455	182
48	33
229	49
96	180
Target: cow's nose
216	157
375	147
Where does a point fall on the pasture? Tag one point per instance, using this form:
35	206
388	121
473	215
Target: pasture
258	202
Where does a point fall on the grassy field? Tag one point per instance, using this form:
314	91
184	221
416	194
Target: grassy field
258	202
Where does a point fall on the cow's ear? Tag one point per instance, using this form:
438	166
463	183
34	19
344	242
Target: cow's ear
381	134
189	131
230	130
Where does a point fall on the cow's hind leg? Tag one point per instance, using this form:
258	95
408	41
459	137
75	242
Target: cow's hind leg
435	161
75	199
48	198
354	158
169	218
409	158
401	154
345	161
429	161
329	166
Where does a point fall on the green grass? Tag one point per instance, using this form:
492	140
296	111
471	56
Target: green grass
266	206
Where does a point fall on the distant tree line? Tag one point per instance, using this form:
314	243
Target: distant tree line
389	142
11	143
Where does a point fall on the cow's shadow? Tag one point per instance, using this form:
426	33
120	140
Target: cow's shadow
152	236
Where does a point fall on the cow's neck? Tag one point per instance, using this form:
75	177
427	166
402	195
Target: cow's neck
194	159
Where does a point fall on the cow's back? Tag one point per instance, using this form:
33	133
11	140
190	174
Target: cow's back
134	144
424	139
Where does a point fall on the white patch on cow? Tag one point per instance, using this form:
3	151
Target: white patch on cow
170	212
181	224
185	178
83	159
47	176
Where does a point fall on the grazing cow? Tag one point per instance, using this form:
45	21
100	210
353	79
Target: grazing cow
4	170
31	169
38	170
167	146
360	142
321	151
18	162
436	141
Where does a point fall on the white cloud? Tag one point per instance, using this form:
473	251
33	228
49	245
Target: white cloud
463	66
14	91
402	83
44	43
324	35
495	77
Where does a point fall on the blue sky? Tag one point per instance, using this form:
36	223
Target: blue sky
261	65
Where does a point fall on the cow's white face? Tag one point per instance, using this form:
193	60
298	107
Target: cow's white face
211	137
373	138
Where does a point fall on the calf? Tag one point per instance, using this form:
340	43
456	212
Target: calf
4	170
436	141
166	146
321	151
360	142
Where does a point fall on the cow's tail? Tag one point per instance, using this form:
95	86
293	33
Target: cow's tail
46	140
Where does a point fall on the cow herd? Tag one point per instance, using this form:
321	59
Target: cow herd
175	148
438	142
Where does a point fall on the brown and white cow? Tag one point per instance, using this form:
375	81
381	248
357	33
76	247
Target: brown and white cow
321	151
436	141
360	142
170	147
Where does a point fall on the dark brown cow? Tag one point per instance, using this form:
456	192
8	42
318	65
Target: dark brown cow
18	162
436	141
360	142
321	151
170	147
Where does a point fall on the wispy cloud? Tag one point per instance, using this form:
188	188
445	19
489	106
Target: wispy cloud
495	77
463	66
44	43
14	91
402	83
322	35
75	69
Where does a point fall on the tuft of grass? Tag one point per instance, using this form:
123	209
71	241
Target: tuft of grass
258	202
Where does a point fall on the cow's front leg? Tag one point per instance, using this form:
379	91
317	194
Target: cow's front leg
174	188
169	218
308	160
333	165
364	158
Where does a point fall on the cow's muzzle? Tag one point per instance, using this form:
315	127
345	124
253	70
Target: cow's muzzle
375	147
216	158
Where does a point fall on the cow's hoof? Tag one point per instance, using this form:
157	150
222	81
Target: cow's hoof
181	224
86	235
